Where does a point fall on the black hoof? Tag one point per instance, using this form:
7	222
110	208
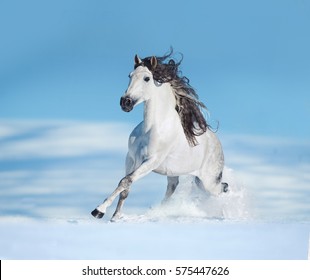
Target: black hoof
224	187
97	214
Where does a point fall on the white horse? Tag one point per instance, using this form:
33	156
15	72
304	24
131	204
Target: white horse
173	139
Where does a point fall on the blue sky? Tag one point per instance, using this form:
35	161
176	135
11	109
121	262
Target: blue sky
64	66
69	60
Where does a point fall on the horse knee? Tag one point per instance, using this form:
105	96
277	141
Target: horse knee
125	183
124	194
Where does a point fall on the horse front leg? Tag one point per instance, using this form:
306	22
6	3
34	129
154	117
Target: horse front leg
130	167
123	188
117	214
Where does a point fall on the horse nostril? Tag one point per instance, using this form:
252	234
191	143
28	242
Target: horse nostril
126	103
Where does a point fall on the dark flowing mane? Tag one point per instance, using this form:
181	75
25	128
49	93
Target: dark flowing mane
188	106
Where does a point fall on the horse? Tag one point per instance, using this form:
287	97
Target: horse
174	138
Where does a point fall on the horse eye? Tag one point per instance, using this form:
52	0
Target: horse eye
146	79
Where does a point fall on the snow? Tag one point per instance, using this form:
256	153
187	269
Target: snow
52	175
134	239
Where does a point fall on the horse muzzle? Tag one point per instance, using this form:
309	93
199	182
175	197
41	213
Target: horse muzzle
127	103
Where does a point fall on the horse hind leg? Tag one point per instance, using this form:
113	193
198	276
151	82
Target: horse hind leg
171	187
225	186
212	184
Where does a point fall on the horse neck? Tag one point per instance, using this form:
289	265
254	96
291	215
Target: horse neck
160	108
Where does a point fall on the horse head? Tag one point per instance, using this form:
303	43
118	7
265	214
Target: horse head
141	83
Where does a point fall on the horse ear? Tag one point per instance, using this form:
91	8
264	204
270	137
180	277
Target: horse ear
137	60
153	62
